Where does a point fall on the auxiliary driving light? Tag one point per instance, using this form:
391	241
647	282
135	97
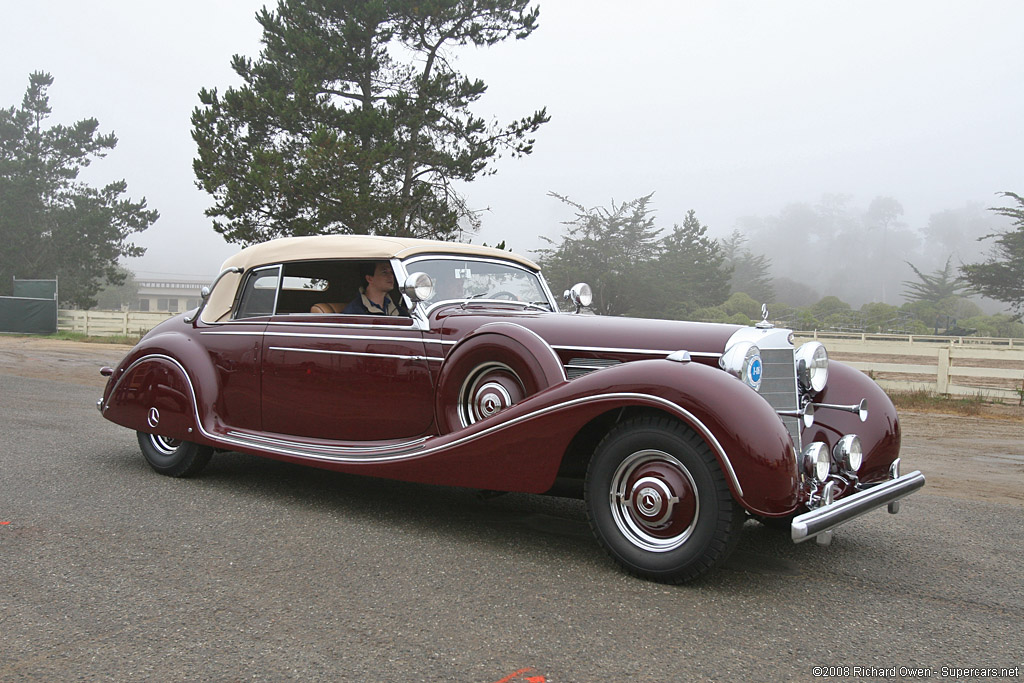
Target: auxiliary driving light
848	453
816	461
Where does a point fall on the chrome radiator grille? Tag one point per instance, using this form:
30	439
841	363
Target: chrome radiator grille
778	386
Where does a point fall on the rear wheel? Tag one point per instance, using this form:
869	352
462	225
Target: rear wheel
658	501
173	457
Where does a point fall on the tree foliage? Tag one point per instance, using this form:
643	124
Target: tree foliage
632	269
751	273
940	285
354	120
1001	276
52	224
690	271
612	249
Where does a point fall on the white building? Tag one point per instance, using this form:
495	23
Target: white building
168	296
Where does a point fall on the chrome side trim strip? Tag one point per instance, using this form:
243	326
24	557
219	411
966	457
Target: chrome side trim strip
405	445
364	354
232	333
827	517
342	326
652	352
357	337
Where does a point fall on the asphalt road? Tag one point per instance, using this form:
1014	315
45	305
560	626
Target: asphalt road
260	570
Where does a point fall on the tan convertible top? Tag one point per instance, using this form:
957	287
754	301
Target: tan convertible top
356	247
320	247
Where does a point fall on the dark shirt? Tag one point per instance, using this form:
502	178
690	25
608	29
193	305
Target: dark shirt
358	306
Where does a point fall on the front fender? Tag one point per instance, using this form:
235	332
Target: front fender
749	440
879	435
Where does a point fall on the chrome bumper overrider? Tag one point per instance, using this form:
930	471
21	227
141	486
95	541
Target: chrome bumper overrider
828	517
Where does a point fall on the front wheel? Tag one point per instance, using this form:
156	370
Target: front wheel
173	457
658	501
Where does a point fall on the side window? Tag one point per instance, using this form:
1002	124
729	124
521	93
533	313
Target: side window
259	293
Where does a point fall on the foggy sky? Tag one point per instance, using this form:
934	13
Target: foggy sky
731	109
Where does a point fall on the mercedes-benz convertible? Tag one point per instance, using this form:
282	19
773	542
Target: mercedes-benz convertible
674	433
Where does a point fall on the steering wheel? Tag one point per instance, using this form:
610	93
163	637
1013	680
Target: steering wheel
507	296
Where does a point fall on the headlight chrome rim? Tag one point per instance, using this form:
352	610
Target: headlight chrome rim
812	366
743	360
418	287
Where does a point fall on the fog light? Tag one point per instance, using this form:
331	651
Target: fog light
848	453
816	461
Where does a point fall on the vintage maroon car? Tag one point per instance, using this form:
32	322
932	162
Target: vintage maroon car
673	432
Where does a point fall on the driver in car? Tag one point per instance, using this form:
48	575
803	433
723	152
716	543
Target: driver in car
375	297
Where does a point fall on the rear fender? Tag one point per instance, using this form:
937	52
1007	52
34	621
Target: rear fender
153	378
153	394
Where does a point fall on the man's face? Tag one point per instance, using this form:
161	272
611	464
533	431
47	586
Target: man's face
383	277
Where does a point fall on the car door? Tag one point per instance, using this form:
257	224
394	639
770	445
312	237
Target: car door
234	348
345	377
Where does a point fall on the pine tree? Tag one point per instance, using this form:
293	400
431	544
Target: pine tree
1001	277
52	224
354	120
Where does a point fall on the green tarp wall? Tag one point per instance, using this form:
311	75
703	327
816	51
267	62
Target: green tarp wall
32	309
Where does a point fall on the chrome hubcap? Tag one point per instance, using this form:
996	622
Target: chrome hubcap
654	501
491	388
163	444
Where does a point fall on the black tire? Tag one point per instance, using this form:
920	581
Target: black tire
172	457
658	502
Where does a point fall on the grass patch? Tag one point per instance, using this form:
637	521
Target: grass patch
130	339
928	401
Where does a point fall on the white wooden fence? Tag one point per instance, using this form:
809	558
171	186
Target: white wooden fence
957	366
109	323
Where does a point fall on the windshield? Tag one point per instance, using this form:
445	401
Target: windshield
458	279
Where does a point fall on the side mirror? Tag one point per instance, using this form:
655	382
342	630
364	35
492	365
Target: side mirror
418	287
580	295
205	293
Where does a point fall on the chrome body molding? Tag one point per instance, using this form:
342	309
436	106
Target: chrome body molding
363	354
357	337
646	352
328	448
829	516
232	333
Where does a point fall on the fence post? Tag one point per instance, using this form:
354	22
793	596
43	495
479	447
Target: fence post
942	378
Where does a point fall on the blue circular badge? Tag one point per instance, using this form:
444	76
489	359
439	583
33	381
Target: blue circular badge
755	372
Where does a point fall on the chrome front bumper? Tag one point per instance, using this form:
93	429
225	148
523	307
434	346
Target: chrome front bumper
822	520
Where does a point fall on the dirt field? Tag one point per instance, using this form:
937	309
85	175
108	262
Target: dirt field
975	458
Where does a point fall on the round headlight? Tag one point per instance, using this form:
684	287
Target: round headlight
580	295
848	453
816	462
812	366
419	287
743	359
